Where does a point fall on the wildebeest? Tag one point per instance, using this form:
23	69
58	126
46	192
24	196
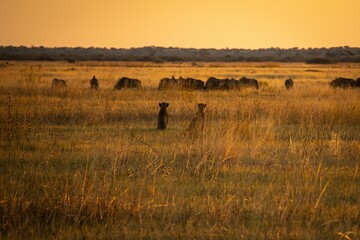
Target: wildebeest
357	82
218	84
343	82
289	83
199	84
163	116
248	82
167	83
94	83
58	83
180	84
126	82
232	84
190	84
212	83
197	125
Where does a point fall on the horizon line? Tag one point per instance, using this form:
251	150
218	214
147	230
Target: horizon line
169	47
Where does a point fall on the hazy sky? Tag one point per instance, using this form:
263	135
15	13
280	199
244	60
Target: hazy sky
180	23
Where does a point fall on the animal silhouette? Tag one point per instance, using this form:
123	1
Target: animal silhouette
289	83
163	116
126	82
197	125
94	83
58	83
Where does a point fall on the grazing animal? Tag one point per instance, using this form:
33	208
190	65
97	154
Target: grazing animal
289	83
248	82
167	83
58	83
94	83
180	84
232	84
190	84
126	82
199	84
212	83
215	84
343	83
357	82
163	116
197	125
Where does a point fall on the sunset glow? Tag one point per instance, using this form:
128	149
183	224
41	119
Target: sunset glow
186	23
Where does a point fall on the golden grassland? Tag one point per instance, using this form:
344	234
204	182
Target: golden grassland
272	164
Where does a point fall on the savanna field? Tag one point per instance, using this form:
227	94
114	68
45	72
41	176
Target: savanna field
272	163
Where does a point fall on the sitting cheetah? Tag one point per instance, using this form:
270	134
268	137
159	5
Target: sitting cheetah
163	116
197	125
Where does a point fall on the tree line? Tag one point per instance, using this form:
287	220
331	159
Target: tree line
173	54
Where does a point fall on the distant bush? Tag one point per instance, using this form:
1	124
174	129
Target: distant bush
349	59
158	61
288	59
239	59
320	61
254	59
43	57
173	59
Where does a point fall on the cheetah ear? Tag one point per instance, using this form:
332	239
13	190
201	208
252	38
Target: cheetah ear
205	105
160	104
167	104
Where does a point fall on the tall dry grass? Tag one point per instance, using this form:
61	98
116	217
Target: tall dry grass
272	163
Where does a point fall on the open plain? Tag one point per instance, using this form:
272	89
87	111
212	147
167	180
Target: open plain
272	163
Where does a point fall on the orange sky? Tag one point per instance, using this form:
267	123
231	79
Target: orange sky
180	23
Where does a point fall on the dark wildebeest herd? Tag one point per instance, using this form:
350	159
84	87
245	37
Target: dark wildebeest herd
345	83
211	84
195	84
230	84
175	84
180	84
